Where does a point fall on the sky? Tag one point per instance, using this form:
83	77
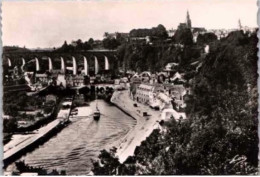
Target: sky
47	24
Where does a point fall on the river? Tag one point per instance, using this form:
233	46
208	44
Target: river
73	148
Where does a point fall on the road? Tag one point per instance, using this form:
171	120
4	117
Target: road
143	128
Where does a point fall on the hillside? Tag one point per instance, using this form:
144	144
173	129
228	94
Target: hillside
7	49
220	135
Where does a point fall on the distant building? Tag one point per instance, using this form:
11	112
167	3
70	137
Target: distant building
161	77
78	80
61	81
74	43
182	26
206	49
146	39
177	92
135	79
117	35
153	79
42	78
164	101
177	78
188	25
57	71
145	76
145	93
117	82
169	68
171	32
196	31
74	81
5	116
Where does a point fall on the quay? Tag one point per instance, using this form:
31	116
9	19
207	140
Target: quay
22	143
144	125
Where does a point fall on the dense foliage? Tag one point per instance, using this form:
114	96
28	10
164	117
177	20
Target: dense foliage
206	38
220	135
159	31
143	57
24	168
76	46
183	36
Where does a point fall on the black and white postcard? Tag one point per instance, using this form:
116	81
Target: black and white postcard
129	87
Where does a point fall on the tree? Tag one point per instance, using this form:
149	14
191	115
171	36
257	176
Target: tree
9	125
108	163
64	47
206	38
183	36
159	31
87	46
110	43
106	35
79	44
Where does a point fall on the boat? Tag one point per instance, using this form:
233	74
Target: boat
96	114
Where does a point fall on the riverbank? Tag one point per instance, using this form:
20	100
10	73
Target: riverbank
22	143
143	127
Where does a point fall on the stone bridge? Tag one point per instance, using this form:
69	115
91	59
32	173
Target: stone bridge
89	62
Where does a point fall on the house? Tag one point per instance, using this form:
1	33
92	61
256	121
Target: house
164	101
171	32
177	78
74	81
169	68
161	77
169	113
42	78
196	31
145	76
145	93
78	80
206	49
5	116
177	93
117	35
135	78
153	79
61	81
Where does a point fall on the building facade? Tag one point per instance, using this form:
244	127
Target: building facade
145	93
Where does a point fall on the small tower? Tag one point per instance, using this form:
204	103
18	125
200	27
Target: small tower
239	24
188	21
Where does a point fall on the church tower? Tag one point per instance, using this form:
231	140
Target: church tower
188	21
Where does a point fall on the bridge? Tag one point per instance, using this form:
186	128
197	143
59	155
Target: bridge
89	62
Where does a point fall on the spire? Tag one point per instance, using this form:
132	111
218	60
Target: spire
188	20
188	15
239	24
